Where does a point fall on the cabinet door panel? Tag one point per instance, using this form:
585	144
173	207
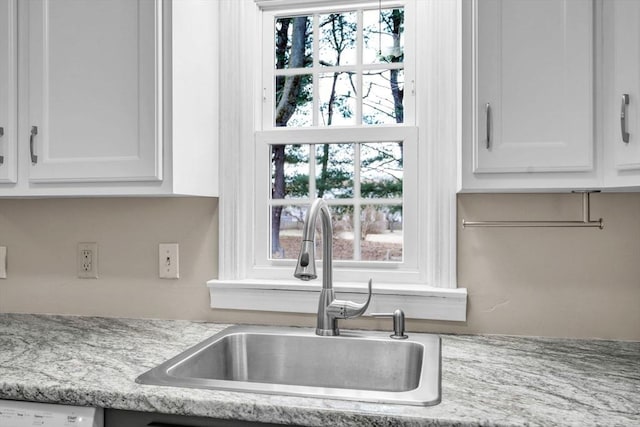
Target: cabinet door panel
534	68
93	90
8	92
625	48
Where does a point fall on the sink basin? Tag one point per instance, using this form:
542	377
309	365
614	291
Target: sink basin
357	365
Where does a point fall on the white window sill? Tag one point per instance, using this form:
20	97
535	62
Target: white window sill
294	296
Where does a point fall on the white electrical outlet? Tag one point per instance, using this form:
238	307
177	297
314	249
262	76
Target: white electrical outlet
168	261
88	260
3	262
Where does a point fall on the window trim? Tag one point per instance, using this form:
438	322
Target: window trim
295	296
438	118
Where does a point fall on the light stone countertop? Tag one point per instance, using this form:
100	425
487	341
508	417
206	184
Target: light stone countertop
486	380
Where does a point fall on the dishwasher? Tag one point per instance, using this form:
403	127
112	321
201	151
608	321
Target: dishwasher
15	413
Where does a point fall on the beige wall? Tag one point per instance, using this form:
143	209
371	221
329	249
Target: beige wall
41	238
581	282
551	282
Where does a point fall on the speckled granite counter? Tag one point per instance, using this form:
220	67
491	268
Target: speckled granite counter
486	380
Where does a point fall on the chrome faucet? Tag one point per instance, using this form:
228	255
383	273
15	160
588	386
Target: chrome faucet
329	308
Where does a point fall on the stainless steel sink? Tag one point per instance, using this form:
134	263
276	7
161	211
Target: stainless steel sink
363	366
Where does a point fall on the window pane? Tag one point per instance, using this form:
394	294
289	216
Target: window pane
383	34
294	101
287	223
381	233
337	99
337	43
334	171
380	238
343	232
382	97
293	42
289	233
381	170
286	231
289	171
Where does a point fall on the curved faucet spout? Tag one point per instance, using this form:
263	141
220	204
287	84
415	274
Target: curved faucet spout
306	267
329	308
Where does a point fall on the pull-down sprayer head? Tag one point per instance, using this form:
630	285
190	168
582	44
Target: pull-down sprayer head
306	267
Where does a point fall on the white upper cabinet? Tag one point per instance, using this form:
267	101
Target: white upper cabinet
8	95
528	95
116	97
93	90
621	97
534	73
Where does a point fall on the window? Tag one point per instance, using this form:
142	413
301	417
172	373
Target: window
364	183
327	70
335	110
337	125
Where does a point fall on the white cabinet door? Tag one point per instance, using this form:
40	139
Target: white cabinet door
533	87
8	91
94	100
622	91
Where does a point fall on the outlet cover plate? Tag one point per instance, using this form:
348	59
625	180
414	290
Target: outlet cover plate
88	260
3	262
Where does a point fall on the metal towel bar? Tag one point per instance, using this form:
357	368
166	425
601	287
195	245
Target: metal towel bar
585	222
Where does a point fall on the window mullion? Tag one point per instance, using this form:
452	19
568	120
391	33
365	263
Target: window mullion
357	249
312	171
315	69
357	230
359	53
337	202
268	78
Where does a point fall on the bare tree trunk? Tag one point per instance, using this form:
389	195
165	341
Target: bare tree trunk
324	163
324	173
292	84
278	192
398	94
289	87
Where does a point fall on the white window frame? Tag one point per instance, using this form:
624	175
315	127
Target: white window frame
407	271
425	286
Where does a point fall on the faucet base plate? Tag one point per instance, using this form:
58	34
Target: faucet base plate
327	332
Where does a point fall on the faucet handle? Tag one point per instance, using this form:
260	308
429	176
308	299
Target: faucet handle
398	323
341	309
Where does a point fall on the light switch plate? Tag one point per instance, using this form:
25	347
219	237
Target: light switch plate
3	262
168	261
